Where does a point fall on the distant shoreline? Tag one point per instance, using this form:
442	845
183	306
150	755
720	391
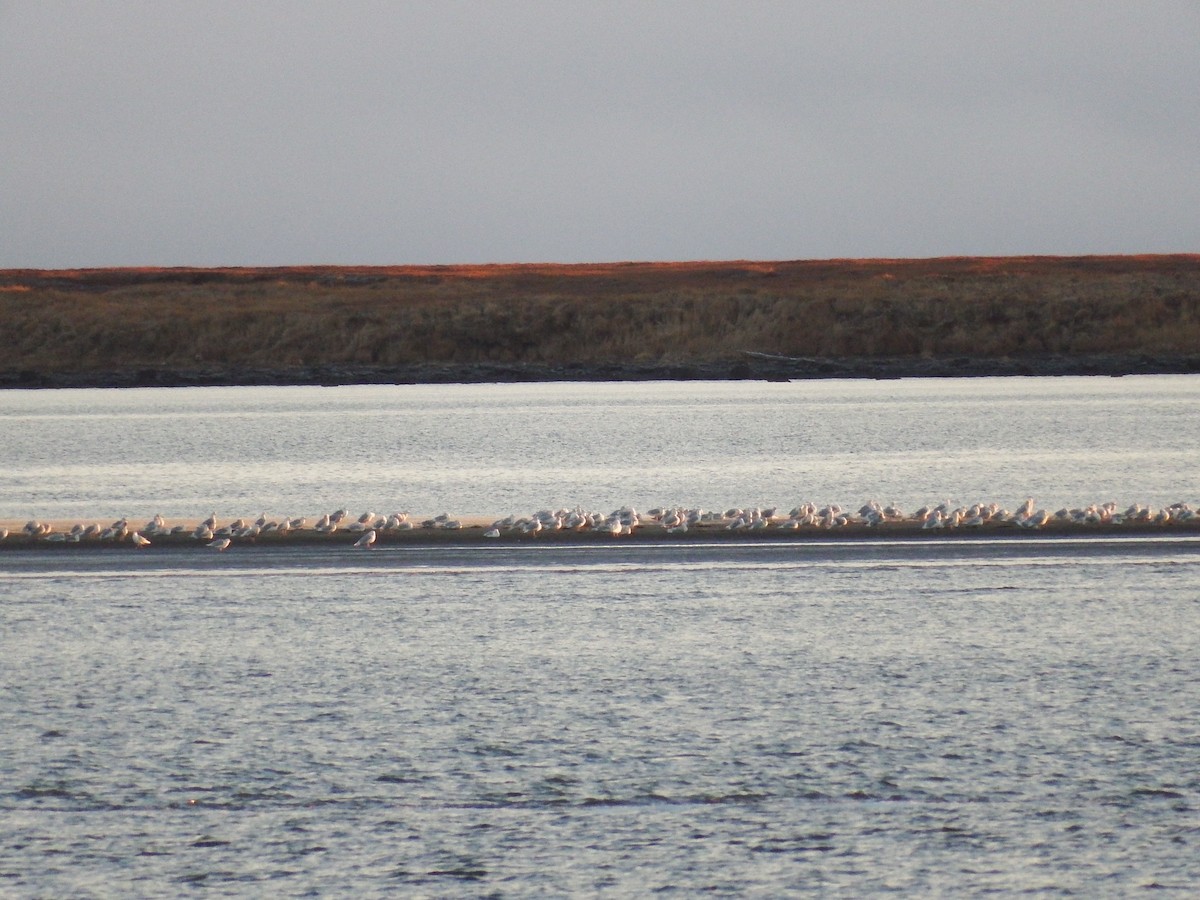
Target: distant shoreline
731	320
748	368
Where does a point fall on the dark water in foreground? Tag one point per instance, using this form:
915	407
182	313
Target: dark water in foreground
745	720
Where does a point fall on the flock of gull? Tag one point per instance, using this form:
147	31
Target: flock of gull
365	530
213	535
679	519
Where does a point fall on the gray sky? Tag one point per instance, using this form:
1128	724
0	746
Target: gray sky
276	133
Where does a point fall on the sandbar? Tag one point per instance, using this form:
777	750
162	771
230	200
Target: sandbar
143	534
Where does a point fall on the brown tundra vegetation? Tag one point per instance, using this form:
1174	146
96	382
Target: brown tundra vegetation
280	319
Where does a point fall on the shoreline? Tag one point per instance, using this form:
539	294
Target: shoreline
616	321
749	367
70	536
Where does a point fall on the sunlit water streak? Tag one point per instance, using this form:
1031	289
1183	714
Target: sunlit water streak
498	449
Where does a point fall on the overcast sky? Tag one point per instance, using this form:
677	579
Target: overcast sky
276	133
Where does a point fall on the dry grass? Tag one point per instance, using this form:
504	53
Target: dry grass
82	320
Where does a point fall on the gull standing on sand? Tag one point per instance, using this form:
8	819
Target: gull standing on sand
366	541
219	544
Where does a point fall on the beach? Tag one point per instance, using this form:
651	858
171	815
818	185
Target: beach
128	534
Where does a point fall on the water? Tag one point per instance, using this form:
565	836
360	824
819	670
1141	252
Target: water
499	449
820	717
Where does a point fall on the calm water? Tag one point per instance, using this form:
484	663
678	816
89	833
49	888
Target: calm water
498	449
745	720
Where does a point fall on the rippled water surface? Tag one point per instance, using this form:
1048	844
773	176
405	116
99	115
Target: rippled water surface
748	720
926	718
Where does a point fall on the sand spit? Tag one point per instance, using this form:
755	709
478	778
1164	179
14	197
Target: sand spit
368	530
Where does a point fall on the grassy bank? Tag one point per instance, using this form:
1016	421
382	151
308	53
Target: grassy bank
107	319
